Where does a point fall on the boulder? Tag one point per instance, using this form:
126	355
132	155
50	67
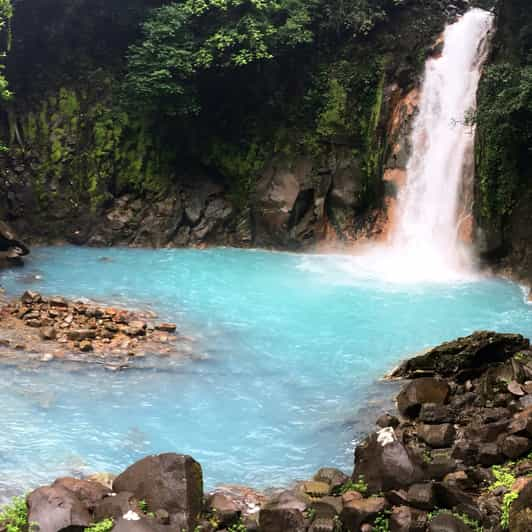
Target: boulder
419	392
116	506
78	335
88	492
385	463
358	511
521	511
473	352
283	514
56	508
515	446
223	508
447	522
170	481
333	477
437	436
406	519
421	496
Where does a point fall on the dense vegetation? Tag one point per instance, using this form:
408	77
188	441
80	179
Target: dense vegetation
504	115
113	98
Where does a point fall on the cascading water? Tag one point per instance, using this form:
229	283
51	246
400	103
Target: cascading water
426	236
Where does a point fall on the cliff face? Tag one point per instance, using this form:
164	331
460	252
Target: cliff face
283	154
504	139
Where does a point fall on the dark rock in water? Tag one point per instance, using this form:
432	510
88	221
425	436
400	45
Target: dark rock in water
283	514
56	508
385	463
447	522
11	248
171	482
469	353
358	511
48	333
419	392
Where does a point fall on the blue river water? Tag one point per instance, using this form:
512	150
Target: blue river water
288	352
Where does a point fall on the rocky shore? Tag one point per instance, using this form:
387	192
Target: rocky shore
454	457
56	328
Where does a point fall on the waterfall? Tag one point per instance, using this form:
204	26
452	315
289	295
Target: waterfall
426	234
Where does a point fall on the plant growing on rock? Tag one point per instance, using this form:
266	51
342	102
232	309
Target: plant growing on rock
507	501
503	477
14	517
360	485
237	527
102	526
382	523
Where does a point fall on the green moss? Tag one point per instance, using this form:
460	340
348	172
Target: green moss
102	526
239	164
14	516
507	502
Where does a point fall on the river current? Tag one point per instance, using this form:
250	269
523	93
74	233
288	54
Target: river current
281	368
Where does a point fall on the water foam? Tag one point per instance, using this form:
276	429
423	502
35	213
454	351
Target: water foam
425	245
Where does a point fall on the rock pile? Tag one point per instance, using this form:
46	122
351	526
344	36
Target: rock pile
454	458
82	327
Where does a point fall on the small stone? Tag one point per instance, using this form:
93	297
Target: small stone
29	297
315	488
166	327
86	346
334	477
57	301
48	333
81	334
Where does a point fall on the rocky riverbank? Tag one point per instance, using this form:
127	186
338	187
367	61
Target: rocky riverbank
56	328
454	458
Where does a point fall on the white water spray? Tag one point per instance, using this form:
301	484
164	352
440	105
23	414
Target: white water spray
425	244
427	231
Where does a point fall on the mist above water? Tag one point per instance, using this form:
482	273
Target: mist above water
426	241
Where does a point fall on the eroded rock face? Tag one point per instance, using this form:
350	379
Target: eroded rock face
12	249
419	392
171	482
289	203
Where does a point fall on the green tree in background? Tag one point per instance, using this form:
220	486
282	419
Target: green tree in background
5	16
183	39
